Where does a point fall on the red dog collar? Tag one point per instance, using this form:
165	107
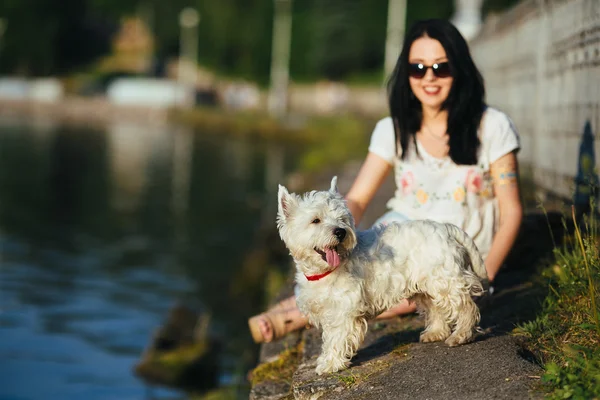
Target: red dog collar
317	277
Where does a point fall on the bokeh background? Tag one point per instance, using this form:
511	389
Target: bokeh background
141	143
337	39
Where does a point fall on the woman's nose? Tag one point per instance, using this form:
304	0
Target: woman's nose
429	75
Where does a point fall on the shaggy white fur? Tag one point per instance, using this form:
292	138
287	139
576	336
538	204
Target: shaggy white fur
346	277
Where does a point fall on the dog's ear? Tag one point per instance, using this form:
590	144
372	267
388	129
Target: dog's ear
333	189
285	205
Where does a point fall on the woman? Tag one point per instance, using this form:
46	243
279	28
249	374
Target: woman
454	158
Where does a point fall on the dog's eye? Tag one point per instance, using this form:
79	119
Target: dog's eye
316	221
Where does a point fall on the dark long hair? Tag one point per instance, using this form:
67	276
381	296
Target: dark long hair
465	102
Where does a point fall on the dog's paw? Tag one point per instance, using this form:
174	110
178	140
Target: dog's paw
433	336
458	339
321	369
330	364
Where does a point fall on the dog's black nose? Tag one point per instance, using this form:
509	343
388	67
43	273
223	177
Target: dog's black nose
339	233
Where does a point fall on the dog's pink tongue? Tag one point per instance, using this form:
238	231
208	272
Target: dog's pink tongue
332	257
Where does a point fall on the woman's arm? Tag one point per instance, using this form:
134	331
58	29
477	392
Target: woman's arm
370	177
505	176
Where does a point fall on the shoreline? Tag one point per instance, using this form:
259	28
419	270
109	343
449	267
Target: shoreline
82	110
99	110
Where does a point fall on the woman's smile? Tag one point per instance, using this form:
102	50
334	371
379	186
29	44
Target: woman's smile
432	90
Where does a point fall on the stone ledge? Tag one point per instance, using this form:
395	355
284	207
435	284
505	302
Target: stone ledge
392	364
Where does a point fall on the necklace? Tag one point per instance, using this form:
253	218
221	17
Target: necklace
443	138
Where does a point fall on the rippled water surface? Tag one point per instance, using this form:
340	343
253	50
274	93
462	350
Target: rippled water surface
103	230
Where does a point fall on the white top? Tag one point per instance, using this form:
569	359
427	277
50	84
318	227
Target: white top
438	189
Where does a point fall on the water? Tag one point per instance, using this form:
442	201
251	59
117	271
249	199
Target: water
103	230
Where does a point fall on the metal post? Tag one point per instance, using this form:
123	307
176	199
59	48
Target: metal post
467	17
280	57
188	52
395	33
3	24
182	142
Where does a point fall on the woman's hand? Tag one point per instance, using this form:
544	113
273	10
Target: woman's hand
505	175
370	177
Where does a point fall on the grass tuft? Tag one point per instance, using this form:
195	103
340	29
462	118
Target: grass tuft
566	335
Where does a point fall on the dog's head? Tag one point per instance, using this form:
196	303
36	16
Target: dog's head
317	228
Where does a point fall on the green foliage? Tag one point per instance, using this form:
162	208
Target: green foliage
353	132
332	39
280	369
566	336
425	9
577	378
319	136
347	378
46	36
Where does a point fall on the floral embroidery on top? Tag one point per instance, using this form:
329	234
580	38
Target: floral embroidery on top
474	181
422	196
459	194
407	181
469	182
440	189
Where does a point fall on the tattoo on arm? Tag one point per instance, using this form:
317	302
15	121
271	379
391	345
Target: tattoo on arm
505	174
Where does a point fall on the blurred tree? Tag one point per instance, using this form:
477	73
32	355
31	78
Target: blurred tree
49	36
339	40
424	9
235	37
334	39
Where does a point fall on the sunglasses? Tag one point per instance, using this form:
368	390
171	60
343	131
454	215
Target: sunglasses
418	70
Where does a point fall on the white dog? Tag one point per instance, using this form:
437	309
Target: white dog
346	277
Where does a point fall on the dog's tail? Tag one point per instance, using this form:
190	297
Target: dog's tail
476	260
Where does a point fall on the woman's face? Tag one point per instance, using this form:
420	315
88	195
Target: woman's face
431	90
